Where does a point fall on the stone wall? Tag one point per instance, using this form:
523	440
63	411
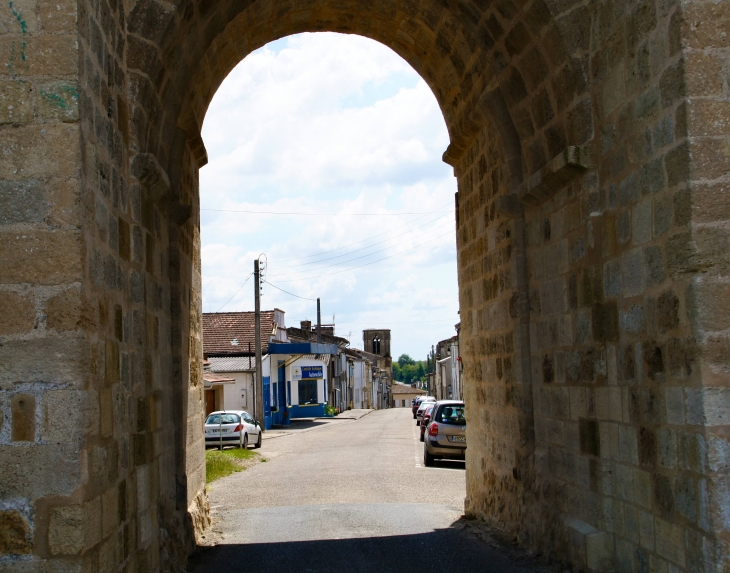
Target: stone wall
590	143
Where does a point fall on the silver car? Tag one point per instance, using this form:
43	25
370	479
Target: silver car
232	428
445	435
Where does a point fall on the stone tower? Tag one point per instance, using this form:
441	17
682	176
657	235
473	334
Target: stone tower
377	341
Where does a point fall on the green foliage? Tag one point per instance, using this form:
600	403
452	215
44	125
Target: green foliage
408	371
222	463
330	410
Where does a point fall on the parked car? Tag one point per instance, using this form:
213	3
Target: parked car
445	436
426	417
232	427
419	413
415	403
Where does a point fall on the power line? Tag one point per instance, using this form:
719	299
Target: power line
289	293
239	290
366	239
317	214
366	264
363	248
343	262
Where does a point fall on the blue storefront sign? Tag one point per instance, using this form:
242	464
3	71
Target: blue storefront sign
312	372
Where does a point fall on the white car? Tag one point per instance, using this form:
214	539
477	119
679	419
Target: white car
427	401
232	427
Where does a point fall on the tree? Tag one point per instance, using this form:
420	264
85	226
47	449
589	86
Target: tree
404	359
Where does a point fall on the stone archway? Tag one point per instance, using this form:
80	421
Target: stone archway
590	145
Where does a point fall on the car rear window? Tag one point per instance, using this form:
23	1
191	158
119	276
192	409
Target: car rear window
452	415
222	419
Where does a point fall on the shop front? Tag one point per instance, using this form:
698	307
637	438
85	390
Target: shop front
298	383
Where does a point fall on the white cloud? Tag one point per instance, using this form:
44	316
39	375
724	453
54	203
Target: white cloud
332	124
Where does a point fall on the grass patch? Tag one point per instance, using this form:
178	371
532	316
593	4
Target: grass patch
220	464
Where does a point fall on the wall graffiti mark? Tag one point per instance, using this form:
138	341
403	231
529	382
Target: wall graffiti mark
24	30
60	100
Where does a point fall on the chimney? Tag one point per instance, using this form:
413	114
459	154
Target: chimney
307	325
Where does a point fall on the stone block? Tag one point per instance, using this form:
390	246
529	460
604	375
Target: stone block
646	530
109	511
46	55
40	152
674	400
22	202
589	546
624	482
667	448
41	257
662	215
58	101
719	494
641	222
554	297
65	415
708	406
26	470
16	534
66	530
58	360
643	492
669	541
16	102
57	16
628	444
653	266
578	402
718	453
604	318
712	305
65	311
632	273
590	441
17	312
633	320
612	278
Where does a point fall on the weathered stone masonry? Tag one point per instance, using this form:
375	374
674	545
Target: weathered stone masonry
590	143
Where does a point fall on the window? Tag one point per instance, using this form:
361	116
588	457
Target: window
308	392
452	415
275	396
376	345
222	419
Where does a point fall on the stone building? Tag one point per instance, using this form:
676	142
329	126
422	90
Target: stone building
590	144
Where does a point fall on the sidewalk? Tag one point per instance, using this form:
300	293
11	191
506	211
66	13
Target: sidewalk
301	425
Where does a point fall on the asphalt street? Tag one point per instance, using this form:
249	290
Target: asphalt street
348	495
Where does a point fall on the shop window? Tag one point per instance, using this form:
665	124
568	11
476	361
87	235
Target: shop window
308	392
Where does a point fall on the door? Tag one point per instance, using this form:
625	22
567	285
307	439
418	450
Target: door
267	402
209	401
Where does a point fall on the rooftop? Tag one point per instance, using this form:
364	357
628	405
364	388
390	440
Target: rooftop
230	333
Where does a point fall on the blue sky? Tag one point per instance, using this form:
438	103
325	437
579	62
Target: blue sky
332	126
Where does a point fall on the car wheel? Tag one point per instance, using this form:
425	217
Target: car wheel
418	422
245	442
258	442
427	458
414	416
422	437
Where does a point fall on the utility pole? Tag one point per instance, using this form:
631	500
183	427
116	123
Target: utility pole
258	387
319	324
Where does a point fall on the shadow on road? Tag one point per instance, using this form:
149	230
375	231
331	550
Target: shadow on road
450	464
442	550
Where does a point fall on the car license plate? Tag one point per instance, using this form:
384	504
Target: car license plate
458	439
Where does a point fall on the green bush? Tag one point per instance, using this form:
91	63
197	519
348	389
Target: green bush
330	410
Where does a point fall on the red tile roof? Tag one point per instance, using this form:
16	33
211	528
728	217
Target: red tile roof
230	332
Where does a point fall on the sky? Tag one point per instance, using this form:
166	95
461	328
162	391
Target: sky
325	156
